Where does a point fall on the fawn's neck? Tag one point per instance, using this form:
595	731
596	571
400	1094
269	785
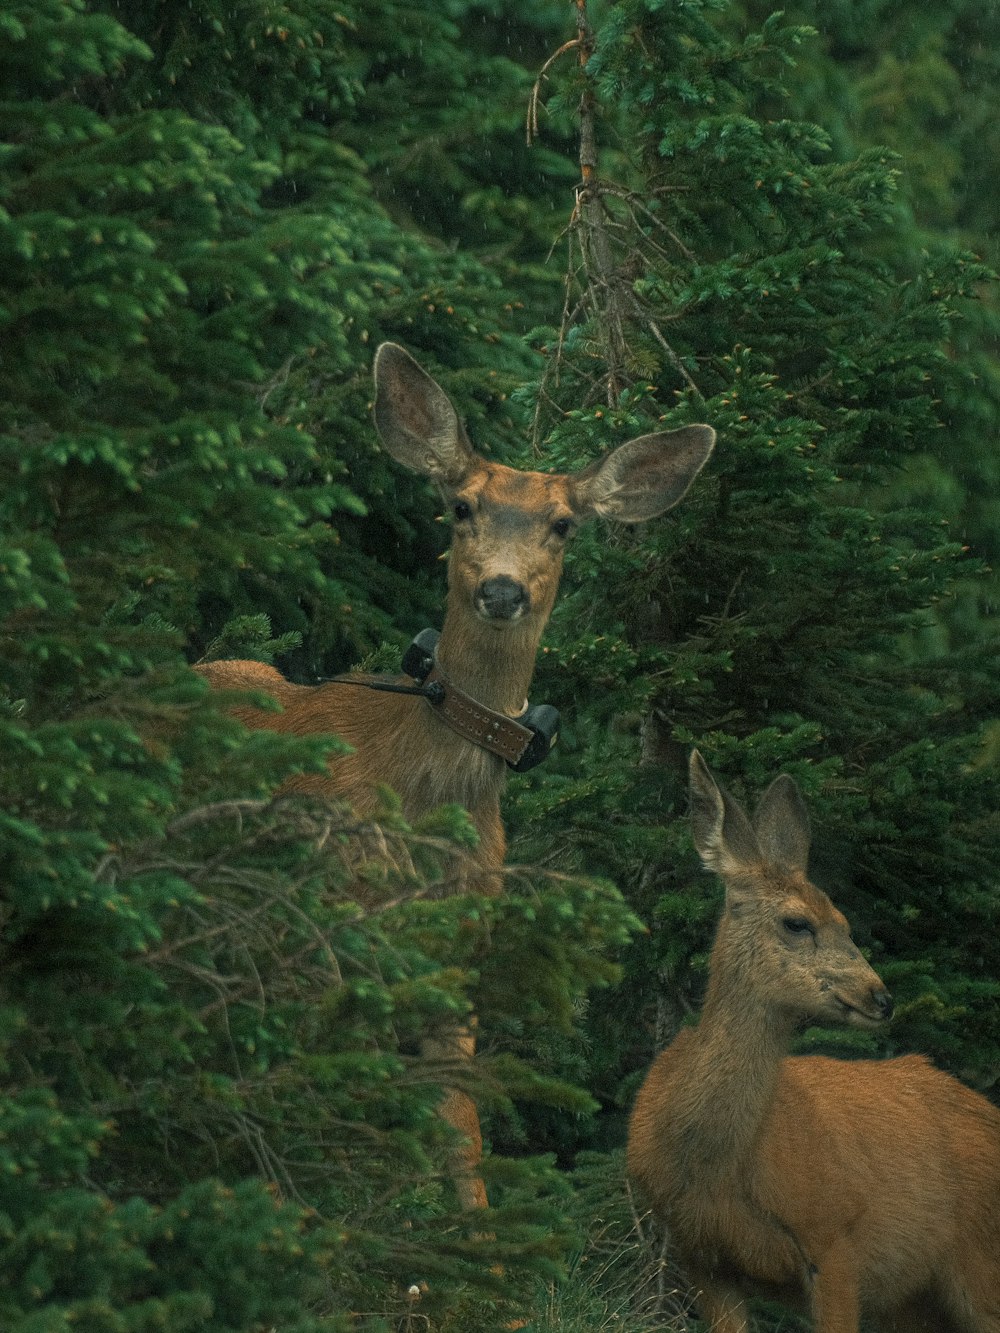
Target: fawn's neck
732	1066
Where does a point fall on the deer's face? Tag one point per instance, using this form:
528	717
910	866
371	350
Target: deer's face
813	966
794	948
509	533
510	527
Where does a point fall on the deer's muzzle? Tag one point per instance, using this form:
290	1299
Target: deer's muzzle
502	598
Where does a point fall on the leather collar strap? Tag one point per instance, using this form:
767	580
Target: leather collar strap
497	732
522	742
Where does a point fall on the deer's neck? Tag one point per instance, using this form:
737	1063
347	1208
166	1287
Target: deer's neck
731	1070
493	664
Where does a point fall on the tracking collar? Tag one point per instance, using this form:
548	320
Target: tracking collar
521	742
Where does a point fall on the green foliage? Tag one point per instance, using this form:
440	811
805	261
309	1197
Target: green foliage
745	274
212	1112
215	1069
923	82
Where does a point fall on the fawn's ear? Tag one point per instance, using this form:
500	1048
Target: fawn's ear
722	834
781	823
645	477
415	419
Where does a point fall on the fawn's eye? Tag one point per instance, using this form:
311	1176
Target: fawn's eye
561	527
798	925
462	510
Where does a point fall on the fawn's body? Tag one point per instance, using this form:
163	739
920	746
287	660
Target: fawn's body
841	1188
509	533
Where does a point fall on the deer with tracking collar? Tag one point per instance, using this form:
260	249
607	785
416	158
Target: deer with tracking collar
843	1189
510	528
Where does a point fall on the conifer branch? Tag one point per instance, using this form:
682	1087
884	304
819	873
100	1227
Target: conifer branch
605	253
534	100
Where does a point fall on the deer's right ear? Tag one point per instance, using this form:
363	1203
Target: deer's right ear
645	477
415	419
722	834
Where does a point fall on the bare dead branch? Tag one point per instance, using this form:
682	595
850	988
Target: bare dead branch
535	95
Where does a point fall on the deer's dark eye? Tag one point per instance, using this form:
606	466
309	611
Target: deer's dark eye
462	510
561	527
798	925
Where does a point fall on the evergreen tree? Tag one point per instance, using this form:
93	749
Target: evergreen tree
736	271
209	217
922	83
213	1115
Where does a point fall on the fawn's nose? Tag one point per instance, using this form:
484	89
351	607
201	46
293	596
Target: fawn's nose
883	1002
502	598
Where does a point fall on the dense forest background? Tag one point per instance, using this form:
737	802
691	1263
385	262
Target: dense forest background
212	1115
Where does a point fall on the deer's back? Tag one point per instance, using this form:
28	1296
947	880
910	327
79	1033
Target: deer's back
892	1158
256	676
395	741
895	1154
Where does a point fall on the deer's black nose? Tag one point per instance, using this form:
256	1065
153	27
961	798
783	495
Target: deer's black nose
883	1002
502	598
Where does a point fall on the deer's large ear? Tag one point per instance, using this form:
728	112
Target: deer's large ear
645	477
722	834
781	823
415	419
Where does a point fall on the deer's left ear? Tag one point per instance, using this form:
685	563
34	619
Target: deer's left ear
781	823
645	477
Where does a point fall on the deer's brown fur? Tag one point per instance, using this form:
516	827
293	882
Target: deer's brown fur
509	532
844	1189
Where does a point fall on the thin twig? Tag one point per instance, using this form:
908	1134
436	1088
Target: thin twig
535	96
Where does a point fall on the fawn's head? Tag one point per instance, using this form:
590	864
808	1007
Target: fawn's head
792	948
510	528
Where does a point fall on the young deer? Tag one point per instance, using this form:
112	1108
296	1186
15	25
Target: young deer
509	532
845	1189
